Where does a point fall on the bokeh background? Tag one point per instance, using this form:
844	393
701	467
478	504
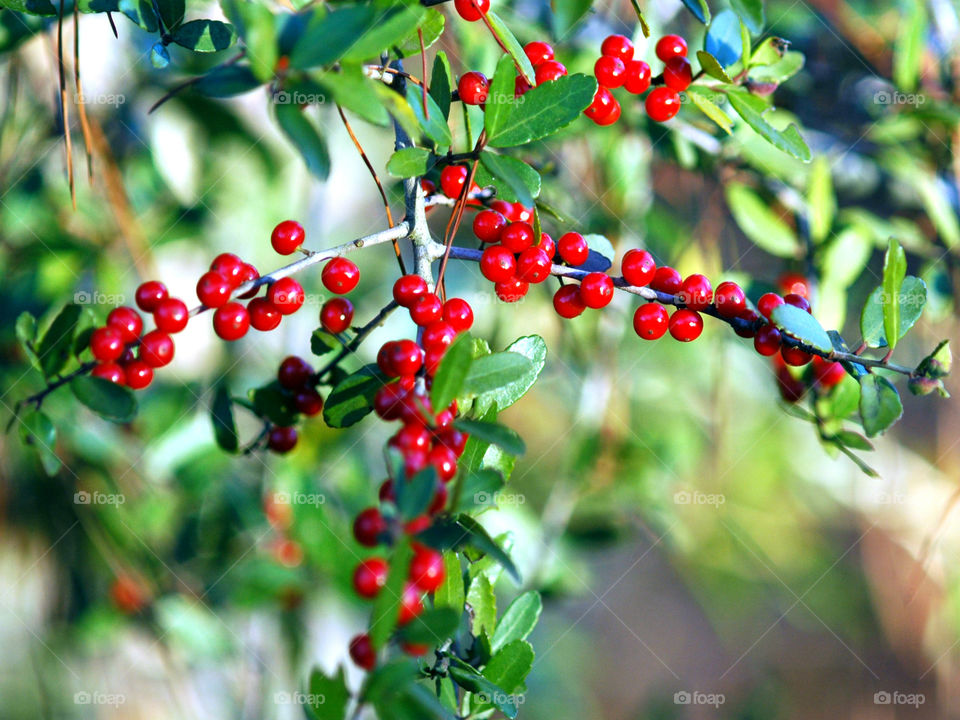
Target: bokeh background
689	536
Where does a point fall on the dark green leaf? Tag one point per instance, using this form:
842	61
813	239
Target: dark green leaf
431	627
514	179
30	7
271	402
894	272
305	138
352	398
205	35
110	401
546	109
224	425
26	331
39	433
410	162
912	298
388	679
326	38
470	679
751	12
513	46
751	109
801	325
880	405
435	125
712	67
452	372
479	488
440	83
509	667
518	620
415	494
356	92
432	26
450	594
141	12
322	342
57	341
490	373
723	38
389	27
699	9
171	12
493	433
479	538
500	97
328	696
850	439
386	608
227	81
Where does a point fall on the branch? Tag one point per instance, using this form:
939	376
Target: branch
361	335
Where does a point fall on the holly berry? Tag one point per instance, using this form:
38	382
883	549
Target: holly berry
109	371
767	340
282	439
128	594
231	321
362	652
370	576
438	334
458	313
538	52
533	265
444	461
791	388
426	569
388	401
611	116
488	224
768	302
750	317
636	77
547	245
596	290
573	248
264	315
230	266
650	321
213	289
308	402
826	373
678	74
567	301
795	283
666	280
294	372
471	10
336	315
696	292
149	295
406	357
601	106
287	236
106	344
340	275
452	180
137	374
512	290
171	315
411	437
407	289
127	321
638	267
411	604
473	88
248	273
156	348
686	325
429	187
517	237
729	299
286	294
426	309
368	527
610	71
795	356
519	213
617	46
414	649
662	104
797	301
548	71
497	264
671	46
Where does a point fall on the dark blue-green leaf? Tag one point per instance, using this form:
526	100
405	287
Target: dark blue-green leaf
493	433
224	424
57	342
110	401
880	405
304	136
723	39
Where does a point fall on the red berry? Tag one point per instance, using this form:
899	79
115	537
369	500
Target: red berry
791	388
406	357
797	301
340	275
827	373
538	52
662	104
471	10
156	348
426	569
512	290
686	325
369	576
519	213
488	224
791	282
231	321
678	74
362	652
336	315
596	290
411	437
638	267
287	236
138	374
171	315
109	371
407	289
429	187
308	402
426	309
282	439
473	88
497	264
286	294
368	527
388	401
749	317
602	105
127	321
767	340
213	289
573	248
670	46
666	280
696	292
383	358
517	237
768	302
230	266
411	604
106	343
149	294
610	116
294	372
444	460
520	86
504	208
617	46
795	356
248	273
610	71
547	245
458	313
386	492
264	315
452	180
438	334
432	358
567	301
414	649
533	265
729	299
636	77
548	71
650	321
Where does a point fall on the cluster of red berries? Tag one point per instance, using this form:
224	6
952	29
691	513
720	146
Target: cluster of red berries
298	383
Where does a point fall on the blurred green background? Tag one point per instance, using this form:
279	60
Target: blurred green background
689	536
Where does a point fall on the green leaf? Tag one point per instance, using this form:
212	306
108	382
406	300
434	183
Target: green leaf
699	9
271	402
410	162
490	373
305	138
435	126
227	81
751	12
912	297
329	696
712	67
514	179
432	627
483	603
26	331
54	348
821	201
509	667
38	432
723	38
469	679
769	51
844	258
910	45
258	26
440	83
450	594
545	110
479	488
479	538
110	401
745	42
415	494
751	109
452	372
327	37
500	97
356	92
534	349
388	28
702	99
386	607
171	12
224	424
566	14
432	26
205	35
513	46
351	399
493	433
518	621
801	325
30	7
850	439
141	12
880	405
780	71
894	272
322	342
761	225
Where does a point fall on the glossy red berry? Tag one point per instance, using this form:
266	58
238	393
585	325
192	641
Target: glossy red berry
791	389
426	309
519	213
638	267
431	360
213	289
411	604
426	569
567	301
538	52
362	652
287	295
369	576
109	371
308	402
533	265
685	325
611	115
696	292
670	46
610	71
340	275
795	356
156	348
512	290
452	180
171	315
149	294
596	290
729	299
386	492
767	340
264	315
429	187
127	321
636	77
678	74
137	374
547	245
408	288
294	372
602	105
650	321
797	301
517	237
231	321
768	302
287	236
388	401
826	373
662	104
406	357
368	527
282	439
473	88
520	86
438	334
444	460
230	266
548	71
488	224
248	273
471	10
792	282
106	344
497	264
458	313
617	46
573	248
336	315
666	280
